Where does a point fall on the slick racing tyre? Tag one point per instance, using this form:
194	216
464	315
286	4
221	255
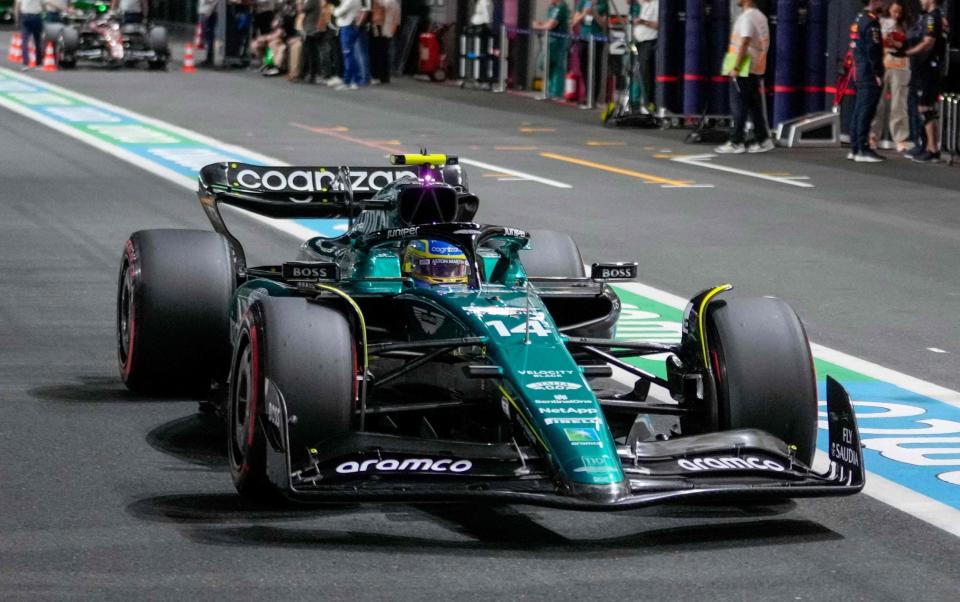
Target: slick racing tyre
552	254
763	370
158	41
51	31
173	299
300	354
556	255
67	42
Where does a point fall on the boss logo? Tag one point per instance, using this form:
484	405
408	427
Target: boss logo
613	271
311	272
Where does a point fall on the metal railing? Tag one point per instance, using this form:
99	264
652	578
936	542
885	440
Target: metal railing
950	125
487	61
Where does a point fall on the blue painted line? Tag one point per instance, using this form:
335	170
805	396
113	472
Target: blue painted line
898	446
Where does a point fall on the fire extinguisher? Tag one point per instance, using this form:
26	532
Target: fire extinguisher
570	85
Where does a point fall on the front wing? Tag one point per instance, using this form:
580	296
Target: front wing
726	466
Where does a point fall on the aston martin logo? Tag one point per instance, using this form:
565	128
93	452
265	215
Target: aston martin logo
429	321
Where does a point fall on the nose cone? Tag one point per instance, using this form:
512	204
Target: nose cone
601	494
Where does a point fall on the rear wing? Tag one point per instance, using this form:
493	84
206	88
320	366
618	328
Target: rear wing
287	192
341	192
297	191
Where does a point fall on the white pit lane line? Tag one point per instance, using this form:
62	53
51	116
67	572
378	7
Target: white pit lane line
907	500
705	161
517	174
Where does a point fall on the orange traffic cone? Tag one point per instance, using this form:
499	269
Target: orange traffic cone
188	65
49	62
33	56
16	48
198	37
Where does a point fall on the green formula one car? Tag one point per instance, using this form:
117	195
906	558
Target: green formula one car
422	356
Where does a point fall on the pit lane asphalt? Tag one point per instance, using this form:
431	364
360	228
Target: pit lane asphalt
106	495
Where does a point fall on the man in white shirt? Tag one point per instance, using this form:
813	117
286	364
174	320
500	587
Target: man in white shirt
346	16
747	53
645	15
29	14
133	11
479	32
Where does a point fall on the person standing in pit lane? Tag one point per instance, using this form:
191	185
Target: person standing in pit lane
927	63
556	26
346	17
310	68
132	11
869	70
590	17
331	61
645	16
29	14
892	110
384	20
363	42
207	12
749	43
481	26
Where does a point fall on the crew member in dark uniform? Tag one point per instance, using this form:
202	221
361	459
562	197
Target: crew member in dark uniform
926	77
868	65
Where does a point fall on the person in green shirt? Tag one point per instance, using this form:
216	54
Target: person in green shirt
557	22
590	18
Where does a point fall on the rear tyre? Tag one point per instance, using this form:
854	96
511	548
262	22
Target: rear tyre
51	31
764	371
173	298
307	353
552	254
556	255
158	41
68	40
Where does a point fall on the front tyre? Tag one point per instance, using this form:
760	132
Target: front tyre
246	442
173	299
304	354
764	371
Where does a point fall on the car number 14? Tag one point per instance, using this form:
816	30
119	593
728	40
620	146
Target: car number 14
534	326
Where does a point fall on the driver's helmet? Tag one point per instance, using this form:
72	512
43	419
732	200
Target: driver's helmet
431	262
